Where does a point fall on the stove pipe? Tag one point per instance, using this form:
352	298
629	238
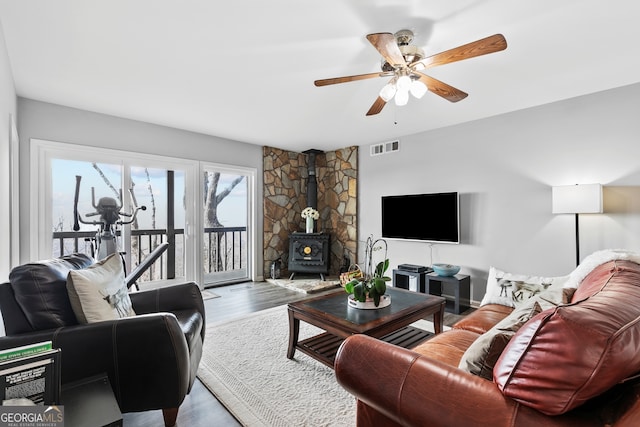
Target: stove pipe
312	183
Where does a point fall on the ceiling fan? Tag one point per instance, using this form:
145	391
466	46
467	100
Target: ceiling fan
404	62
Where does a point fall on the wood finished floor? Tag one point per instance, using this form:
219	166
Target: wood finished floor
200	408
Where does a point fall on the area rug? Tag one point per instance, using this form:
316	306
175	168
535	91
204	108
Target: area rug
307	286
244	365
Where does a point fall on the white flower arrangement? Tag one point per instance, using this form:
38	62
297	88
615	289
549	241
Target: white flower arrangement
309	212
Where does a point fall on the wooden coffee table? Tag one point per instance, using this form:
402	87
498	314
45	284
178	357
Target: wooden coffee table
391	324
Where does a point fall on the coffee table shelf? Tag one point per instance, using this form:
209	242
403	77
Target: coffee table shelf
324	347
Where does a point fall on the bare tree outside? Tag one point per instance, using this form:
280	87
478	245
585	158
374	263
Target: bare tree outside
213	197
153	205
218	245
106	180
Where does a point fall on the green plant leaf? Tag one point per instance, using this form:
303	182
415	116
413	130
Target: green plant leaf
349	286
359	292
382	267
379	269
376	296
380	286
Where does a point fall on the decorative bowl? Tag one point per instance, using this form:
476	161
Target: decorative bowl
446	270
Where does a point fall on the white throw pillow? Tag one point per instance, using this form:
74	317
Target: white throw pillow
513	290
99	292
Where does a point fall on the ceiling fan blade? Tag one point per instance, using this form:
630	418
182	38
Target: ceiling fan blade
377	106
494	43
346	79
442	89
387	45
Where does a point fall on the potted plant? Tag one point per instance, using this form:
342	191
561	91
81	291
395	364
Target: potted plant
371	287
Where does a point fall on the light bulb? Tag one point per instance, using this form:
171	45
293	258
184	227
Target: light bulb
418	89
404	83
402	97
387	92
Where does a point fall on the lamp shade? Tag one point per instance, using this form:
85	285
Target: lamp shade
581	198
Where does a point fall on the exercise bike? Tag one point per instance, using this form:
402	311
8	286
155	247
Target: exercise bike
111	218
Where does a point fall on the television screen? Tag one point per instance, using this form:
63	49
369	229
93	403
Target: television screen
431	217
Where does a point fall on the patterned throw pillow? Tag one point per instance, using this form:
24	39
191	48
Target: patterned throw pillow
99	292
513	290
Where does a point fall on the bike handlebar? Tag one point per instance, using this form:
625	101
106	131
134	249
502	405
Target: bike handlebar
131	215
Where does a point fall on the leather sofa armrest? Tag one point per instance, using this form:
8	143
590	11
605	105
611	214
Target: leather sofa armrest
146	357
414	390
182	296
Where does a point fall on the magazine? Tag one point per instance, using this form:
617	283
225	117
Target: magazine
25	350
34	376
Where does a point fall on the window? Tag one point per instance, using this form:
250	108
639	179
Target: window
174	205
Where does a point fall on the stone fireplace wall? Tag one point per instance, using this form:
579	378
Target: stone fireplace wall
285	183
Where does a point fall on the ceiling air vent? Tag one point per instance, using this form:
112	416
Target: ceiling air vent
385	147
391	146
377	149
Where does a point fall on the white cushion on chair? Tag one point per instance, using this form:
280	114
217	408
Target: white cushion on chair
99	292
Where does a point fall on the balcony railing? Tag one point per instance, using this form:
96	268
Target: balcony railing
224	250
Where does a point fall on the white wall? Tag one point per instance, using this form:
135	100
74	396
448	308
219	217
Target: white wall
504	168
62	124
7	110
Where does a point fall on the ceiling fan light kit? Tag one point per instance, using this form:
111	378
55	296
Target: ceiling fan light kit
404	63
401	87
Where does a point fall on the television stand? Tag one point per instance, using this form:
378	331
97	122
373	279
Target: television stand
456	289
460	284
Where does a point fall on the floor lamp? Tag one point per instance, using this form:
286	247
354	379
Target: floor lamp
577	199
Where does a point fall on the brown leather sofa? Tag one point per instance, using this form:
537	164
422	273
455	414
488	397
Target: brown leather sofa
572	365
151	359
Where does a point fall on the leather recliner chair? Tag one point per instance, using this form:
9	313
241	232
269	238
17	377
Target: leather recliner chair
151	359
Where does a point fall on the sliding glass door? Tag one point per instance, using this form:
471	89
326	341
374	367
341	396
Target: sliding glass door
226	243
181	197
163	186
159	192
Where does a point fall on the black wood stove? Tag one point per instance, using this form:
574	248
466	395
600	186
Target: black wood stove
309	253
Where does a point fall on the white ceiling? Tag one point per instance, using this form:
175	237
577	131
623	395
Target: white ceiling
244	69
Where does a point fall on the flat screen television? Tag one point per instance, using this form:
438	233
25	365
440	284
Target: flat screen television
433	217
